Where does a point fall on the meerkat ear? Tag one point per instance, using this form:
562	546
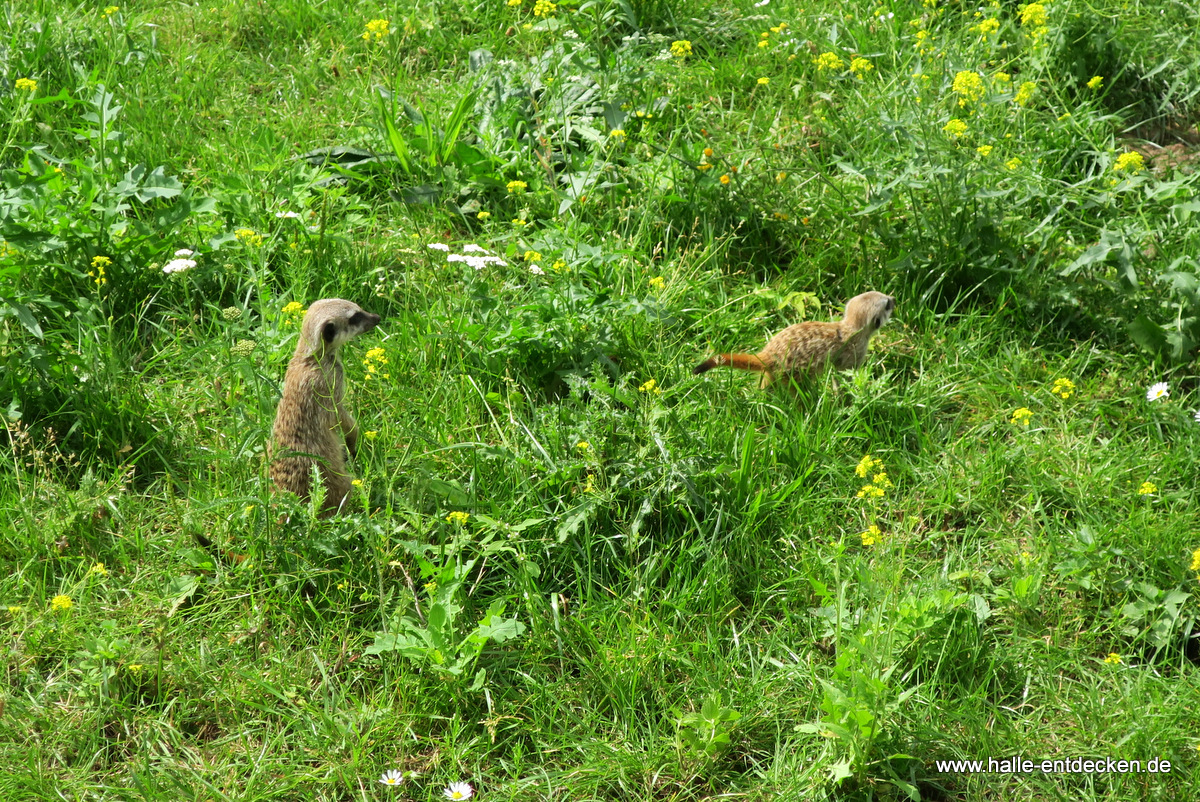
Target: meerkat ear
328	332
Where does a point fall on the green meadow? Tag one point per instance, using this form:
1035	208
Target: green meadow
570	570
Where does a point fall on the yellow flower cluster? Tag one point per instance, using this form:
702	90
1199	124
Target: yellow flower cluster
1033	17
986	27
1096	81
457	517
871	467
26	85
650	387
1021	416
584	446
544	8
1113	659
828	61
1013	163
1147	489
1063	388
376	29
658	282
375	359
1025	93
681	48
249	237
109	11
98	569
617	133
968	86
292	313
97	271
955	128
984	150
871	536
61	602
764	81
516	187
1195	560
860	67
1130	161
532	256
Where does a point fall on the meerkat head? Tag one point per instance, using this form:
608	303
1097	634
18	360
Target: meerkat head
329	324
871	310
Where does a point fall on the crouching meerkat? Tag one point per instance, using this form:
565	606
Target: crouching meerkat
312	421
804	349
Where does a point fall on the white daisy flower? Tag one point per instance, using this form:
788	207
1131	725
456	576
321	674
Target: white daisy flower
392	777
1157	391
440	246
289	215
1196	417
184	252
459	791
178	265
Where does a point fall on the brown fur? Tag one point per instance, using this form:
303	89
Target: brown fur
312	421
804	349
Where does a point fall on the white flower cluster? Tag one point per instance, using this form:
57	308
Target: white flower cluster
473	255
178	264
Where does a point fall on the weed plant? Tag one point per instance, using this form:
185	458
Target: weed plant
571	570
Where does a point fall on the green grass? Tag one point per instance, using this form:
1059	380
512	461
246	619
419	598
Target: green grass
661	588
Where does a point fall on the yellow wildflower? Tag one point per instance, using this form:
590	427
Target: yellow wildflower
1130	160
725	179
1147	489
1013	163
248	236
650	387
986	27
377	28
457	517
98	569
1063	388
828	61
860	67
681	48
1195	560
955	128
109	11
1021	416
1113	659
544	8
373	360
617	133
984	150
764	81
871	536
61	602
371	435
516	187
26	85
1095	82
658	282
532	256
583	445
1025	93
968	86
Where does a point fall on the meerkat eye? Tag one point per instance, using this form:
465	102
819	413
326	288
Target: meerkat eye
356	319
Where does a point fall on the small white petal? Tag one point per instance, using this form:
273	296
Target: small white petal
287	215
471	247
178	265
184	252
1157	391
440	246
537	271
459	791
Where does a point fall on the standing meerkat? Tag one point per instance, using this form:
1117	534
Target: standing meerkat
312	421
803	349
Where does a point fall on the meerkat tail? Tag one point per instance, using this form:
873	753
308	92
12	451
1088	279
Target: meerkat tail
739	361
